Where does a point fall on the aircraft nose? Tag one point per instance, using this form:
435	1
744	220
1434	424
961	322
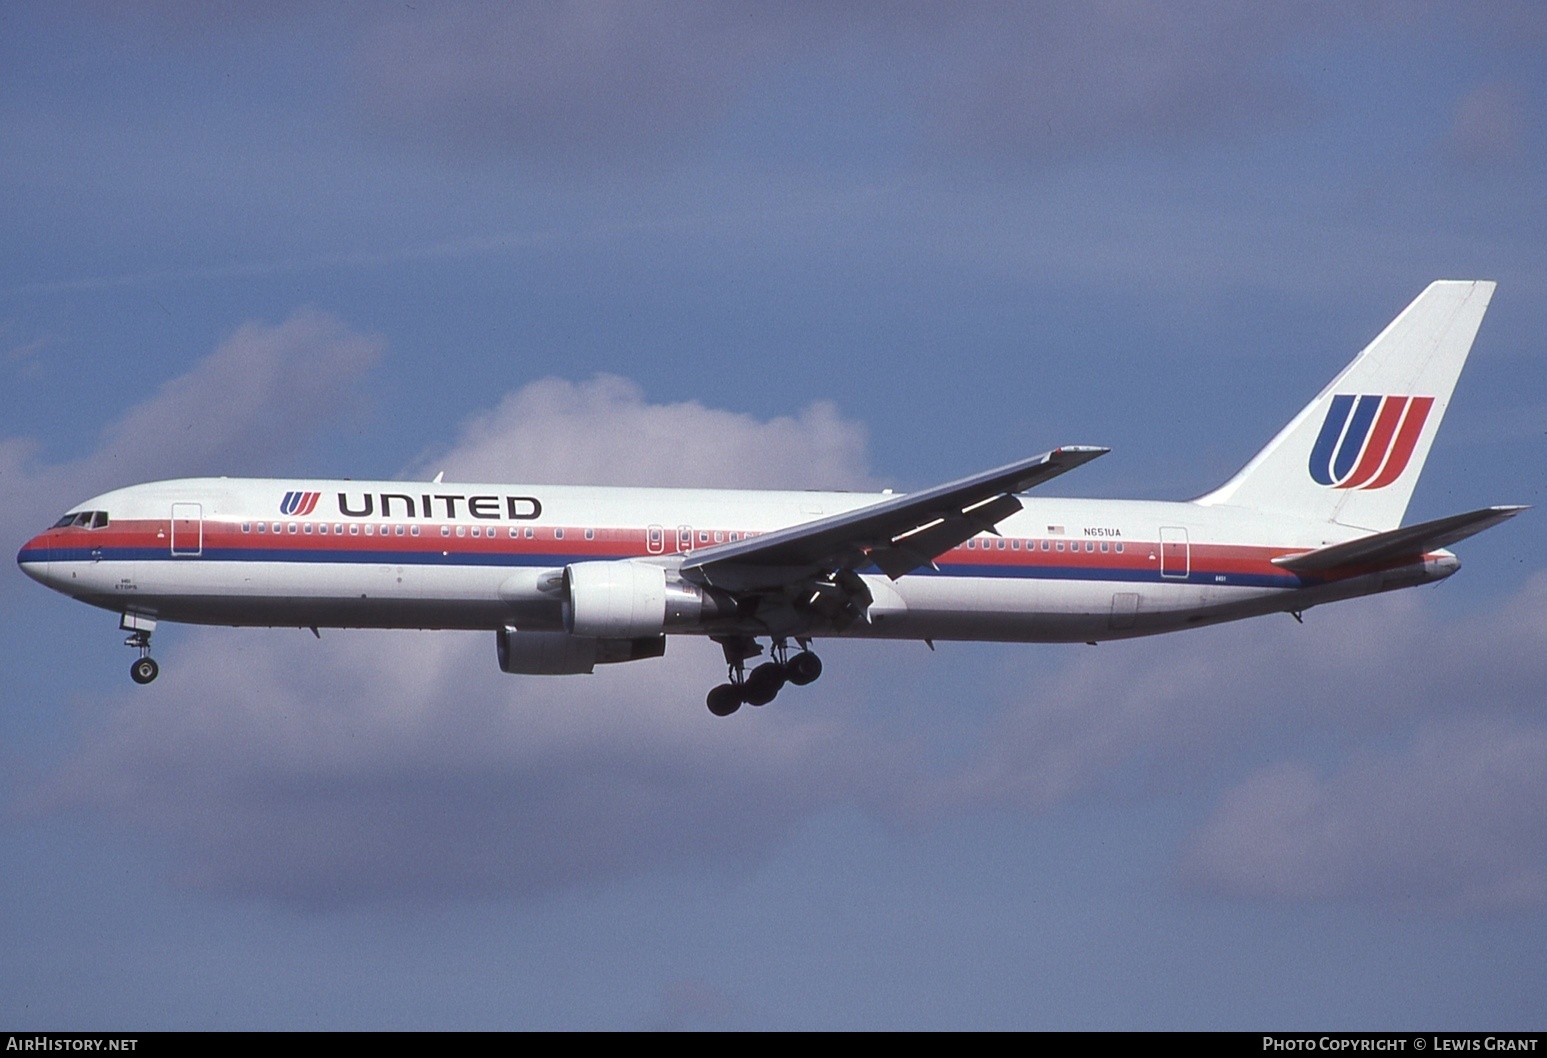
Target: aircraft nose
34	558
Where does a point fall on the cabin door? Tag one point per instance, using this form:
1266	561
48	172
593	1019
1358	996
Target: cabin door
187	529
1175	556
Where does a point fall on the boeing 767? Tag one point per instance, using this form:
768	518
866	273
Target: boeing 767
568	578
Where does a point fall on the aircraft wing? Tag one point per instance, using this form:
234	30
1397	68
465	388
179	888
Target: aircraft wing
1410	542
899	534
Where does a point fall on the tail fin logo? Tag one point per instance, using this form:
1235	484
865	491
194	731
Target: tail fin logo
1366	441
299	503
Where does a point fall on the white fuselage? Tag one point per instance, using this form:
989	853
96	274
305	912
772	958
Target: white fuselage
399	554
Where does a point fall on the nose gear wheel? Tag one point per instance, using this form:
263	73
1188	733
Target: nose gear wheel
144	669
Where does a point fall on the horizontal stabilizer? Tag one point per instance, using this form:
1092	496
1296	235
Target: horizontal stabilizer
1414	541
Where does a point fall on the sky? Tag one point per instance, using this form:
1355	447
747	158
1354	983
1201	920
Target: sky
839	245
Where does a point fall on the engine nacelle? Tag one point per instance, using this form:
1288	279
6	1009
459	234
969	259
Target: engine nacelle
561	654
627	599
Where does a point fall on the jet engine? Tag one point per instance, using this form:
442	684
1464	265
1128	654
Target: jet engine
627	599
562	654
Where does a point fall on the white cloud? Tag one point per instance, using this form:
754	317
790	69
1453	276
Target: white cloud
1456	819
604	432
1451	820
391	766
405	766
261	395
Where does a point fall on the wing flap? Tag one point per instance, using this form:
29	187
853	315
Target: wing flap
1414	541
918	547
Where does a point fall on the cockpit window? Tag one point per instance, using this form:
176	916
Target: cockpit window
83	519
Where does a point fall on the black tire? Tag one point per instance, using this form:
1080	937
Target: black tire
803	668
724	699
144	670
763	683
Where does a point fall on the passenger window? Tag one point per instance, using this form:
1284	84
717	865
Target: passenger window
558	534
414	531
590	534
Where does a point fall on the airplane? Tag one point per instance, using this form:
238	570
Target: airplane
570	577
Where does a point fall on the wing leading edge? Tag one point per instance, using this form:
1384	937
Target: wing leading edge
899	534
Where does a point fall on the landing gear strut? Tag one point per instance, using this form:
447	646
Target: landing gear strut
762	684
139	628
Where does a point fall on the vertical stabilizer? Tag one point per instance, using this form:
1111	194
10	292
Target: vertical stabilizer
1354	453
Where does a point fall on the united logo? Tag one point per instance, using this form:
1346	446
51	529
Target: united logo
299	503
1367	440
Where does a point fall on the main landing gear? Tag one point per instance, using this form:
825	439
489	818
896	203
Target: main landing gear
139	628
762	684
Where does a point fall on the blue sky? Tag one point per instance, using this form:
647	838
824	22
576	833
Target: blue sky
841	245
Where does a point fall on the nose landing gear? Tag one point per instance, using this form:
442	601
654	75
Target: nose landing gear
139	628
762	684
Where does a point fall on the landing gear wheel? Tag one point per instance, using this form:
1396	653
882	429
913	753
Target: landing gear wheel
144	670
763	683
724	699
803	668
